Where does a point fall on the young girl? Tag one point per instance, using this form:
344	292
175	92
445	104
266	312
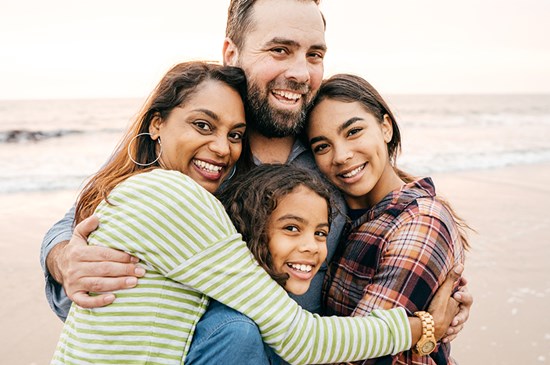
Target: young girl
403	239
154	199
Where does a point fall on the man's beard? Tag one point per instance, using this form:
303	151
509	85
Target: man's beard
271	122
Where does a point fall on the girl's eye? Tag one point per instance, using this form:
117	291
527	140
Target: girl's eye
291	228
202	125
354	131
321	234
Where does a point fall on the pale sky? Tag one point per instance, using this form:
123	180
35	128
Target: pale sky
121	48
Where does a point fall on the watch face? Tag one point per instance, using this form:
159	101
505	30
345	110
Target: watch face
428	347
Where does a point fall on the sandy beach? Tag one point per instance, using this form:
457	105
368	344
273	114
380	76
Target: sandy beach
507	267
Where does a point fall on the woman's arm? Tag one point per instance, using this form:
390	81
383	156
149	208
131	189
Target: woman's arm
412	265
190	239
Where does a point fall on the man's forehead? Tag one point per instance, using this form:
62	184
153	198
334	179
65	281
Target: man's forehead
295	21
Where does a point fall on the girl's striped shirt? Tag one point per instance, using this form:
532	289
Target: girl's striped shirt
192	252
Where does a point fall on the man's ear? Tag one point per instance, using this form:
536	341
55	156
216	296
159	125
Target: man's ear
230	53
387	128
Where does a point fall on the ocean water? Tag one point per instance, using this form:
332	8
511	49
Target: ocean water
57	144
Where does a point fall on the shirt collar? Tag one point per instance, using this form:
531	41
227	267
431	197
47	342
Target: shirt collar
397	201
297	149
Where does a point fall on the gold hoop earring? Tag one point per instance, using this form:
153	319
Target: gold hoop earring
139	163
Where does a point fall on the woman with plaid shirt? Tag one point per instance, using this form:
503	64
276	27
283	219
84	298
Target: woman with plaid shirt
402	239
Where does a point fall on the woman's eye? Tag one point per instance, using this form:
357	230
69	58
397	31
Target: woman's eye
320	147
354	131
235	136
202	125
291	228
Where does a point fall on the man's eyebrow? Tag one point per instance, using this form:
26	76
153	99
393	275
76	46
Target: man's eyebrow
319	47
290	43
282	41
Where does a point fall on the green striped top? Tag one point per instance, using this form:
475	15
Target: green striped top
192	252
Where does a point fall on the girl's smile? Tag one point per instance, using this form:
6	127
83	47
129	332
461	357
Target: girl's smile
297	237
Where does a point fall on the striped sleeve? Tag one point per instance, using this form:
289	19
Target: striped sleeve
194	243
163	217
297	335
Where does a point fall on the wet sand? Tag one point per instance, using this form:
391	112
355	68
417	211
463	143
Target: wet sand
508	267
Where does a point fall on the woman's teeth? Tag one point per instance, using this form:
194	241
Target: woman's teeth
301	267
353	172
207	166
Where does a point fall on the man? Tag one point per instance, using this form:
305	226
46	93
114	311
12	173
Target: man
280	44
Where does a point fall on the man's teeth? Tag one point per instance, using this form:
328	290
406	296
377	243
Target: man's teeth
353	172
301	267
287	94
207	166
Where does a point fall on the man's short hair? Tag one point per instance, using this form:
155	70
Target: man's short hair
239	19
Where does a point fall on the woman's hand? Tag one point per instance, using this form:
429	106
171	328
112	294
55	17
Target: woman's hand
443	306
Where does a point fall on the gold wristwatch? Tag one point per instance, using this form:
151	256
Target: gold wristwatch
427	342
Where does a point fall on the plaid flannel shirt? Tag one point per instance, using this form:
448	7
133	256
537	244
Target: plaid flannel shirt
395	254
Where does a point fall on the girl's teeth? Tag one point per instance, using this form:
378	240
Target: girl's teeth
301	267
354	172
207	166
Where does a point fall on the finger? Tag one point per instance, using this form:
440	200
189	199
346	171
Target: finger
87	226
461	317
453	330
464	297
110	269
86	301
100	285
446	288
449	338
104	254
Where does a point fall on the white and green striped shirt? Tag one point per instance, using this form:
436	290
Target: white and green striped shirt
192	252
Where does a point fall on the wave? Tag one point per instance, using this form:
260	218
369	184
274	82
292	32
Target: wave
22	135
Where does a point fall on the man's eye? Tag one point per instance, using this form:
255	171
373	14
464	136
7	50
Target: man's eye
279	50
317	56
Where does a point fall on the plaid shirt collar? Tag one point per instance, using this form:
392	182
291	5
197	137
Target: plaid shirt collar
396	201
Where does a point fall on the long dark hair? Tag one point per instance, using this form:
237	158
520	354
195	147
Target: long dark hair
351	88
251	198
173	90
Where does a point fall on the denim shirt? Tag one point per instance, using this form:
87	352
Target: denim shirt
300	156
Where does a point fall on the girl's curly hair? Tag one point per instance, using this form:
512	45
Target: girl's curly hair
251	198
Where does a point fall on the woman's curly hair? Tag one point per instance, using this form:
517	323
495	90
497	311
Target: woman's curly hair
251	198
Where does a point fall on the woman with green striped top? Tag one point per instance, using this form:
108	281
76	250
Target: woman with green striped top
154	201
